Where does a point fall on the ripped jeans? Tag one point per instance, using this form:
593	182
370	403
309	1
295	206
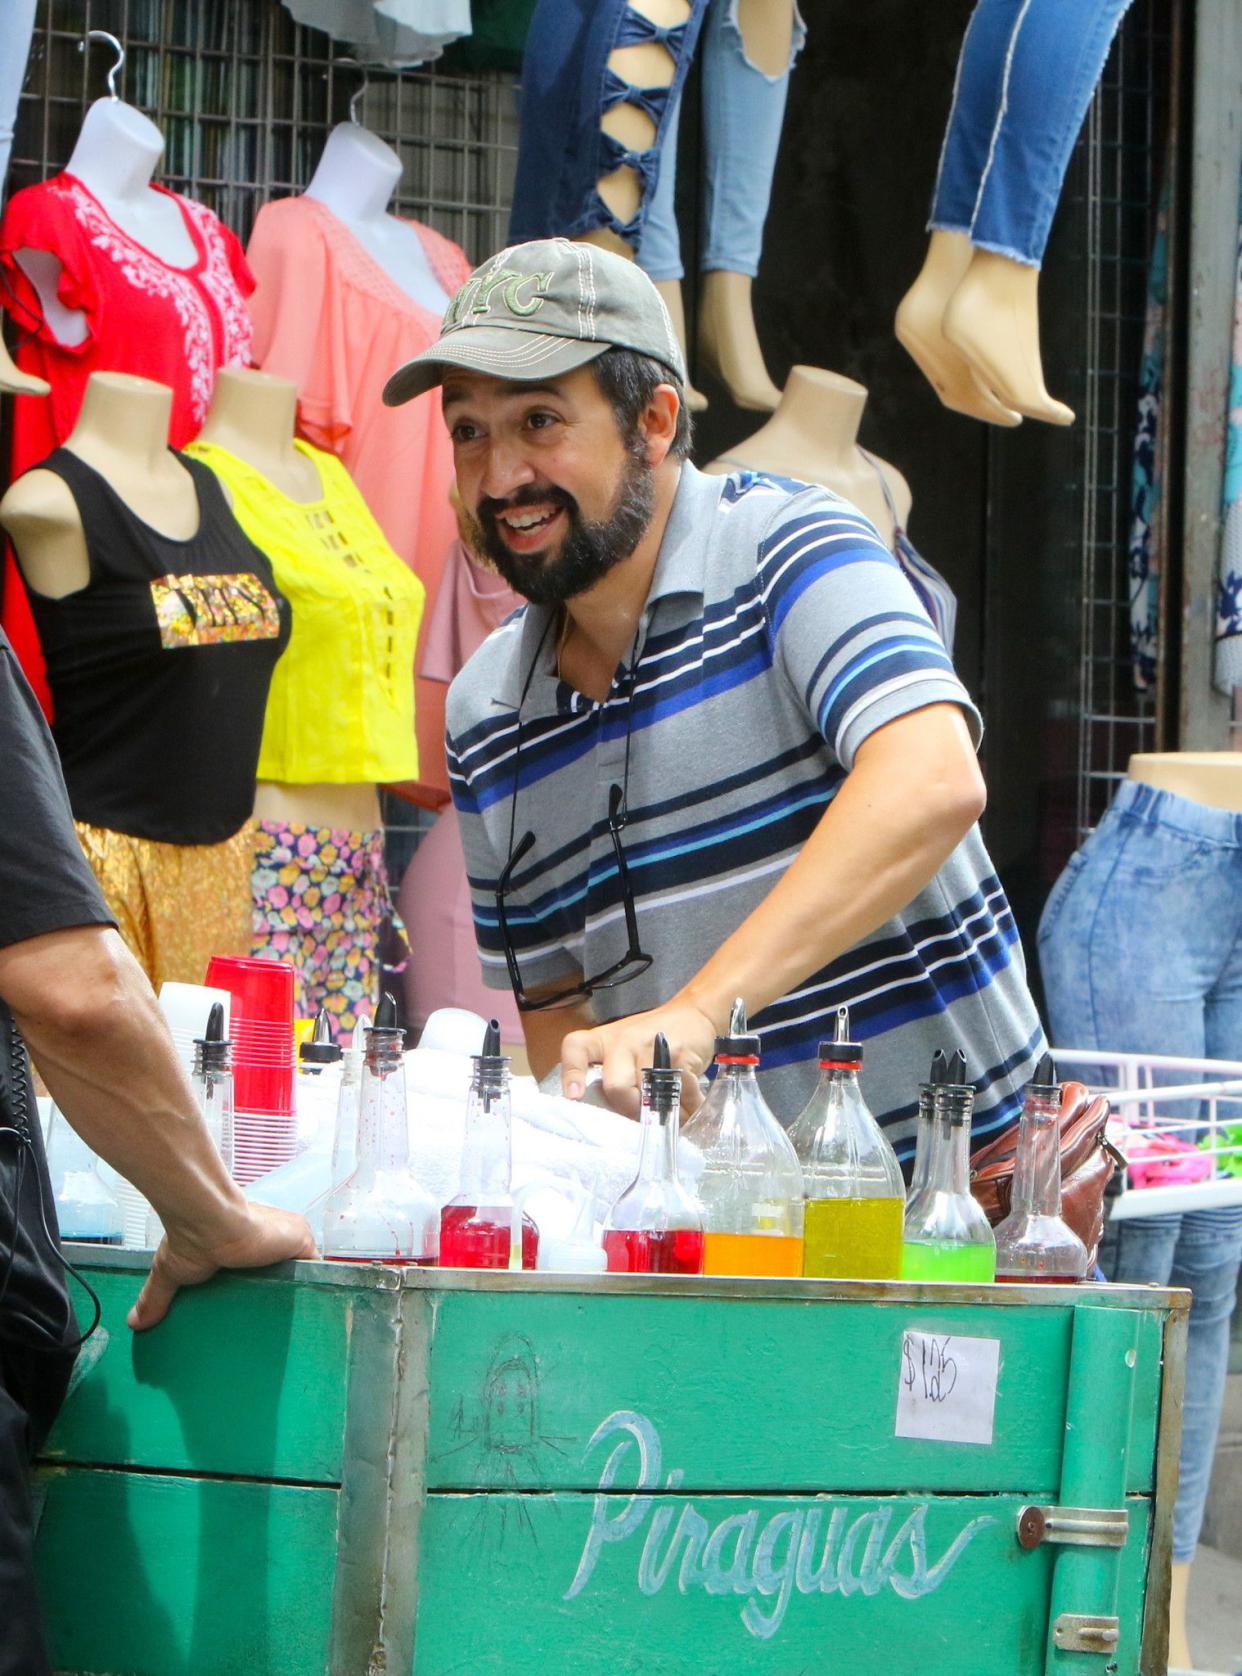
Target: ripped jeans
19	22
567	87
1025	77
743	109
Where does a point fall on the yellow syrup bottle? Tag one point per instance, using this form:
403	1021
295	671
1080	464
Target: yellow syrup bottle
751	1188
852	1186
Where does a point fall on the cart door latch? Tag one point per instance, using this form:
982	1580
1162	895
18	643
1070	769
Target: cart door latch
1078	1527
1076	1632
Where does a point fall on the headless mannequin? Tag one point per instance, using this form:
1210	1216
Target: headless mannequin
122	431
971	322
1213	778
355	178
813	436
728	341
253	415
114	158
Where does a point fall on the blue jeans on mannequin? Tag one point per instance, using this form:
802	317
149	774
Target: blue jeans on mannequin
1140	947
743	110
1025	77
19	22
567	86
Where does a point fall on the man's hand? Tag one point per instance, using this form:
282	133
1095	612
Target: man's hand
623	1048
272	1236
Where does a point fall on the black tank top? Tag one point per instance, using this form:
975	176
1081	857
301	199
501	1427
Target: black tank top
159	667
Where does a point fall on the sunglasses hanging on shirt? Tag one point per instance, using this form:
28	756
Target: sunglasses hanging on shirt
634	961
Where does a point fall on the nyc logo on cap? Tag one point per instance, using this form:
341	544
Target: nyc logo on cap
482	292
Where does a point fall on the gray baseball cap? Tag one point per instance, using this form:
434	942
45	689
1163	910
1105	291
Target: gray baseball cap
541	309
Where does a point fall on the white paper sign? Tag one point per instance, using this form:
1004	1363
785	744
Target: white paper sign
946	1387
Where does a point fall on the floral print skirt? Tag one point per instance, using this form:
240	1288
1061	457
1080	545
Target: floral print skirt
321	904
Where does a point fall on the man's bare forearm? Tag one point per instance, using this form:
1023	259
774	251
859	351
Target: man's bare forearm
906	805
100	1043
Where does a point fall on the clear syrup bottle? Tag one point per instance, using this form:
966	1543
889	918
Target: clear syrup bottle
317	1089
212	1082
852	1183
381	1213
481	1228
947	1236
1034	1244
656	1226
87	1211
924	1124
751	1188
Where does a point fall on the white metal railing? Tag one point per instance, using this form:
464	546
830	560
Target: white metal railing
1142	1087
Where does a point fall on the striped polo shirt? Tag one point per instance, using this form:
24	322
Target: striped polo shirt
779	632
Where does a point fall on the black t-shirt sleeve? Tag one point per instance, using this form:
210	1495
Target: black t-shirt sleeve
45	881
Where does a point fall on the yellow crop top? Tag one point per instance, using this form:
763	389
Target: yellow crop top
341	704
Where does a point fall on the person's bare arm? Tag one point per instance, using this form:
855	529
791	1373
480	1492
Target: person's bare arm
95	1031
914	792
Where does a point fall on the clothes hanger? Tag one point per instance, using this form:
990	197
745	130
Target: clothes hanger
118	62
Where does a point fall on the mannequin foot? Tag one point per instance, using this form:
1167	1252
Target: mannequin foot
729	343
670	290
919	330
993	319
15	382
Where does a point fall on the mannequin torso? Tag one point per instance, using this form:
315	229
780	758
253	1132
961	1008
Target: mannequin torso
813	435
114	158
252	415
355	178
1213	778
122	431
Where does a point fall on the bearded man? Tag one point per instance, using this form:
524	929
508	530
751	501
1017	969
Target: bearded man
722	752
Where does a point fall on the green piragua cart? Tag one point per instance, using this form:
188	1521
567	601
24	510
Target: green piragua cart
352	1469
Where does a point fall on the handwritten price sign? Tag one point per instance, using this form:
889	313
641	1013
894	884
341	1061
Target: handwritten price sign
946	1387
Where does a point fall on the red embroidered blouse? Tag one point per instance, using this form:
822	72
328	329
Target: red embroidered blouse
175	325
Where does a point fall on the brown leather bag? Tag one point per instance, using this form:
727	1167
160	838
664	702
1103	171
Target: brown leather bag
1088	1160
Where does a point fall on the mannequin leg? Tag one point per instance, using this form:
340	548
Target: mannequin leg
19	29
992	319
1054	52
920	331
748	50
598	82
659	249
670	290
1179	1594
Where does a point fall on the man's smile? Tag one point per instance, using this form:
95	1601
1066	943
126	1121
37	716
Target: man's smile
524	528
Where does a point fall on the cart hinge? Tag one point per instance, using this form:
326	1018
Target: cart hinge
1080	1527
1077	1632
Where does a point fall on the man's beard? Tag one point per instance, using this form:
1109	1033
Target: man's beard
588	551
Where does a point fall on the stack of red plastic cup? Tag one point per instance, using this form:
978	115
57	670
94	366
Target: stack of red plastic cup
264	1063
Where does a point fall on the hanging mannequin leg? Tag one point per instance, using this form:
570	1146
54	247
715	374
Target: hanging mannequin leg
748	51
920	331
650	69
993	320
1028	70
659	248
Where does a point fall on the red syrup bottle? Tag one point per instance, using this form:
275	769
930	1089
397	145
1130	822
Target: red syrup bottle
477	1227
656	1227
